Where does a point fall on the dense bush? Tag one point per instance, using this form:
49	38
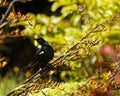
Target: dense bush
85	37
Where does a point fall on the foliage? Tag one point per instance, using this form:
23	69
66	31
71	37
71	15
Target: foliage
9	82
85	37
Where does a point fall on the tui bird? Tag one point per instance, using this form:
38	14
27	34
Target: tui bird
43	55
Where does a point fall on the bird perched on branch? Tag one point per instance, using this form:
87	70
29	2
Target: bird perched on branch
43	55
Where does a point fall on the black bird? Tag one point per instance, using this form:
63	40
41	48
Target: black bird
43	55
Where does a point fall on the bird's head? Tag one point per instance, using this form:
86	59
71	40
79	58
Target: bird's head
41	41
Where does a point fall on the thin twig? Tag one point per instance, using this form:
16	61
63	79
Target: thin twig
8	10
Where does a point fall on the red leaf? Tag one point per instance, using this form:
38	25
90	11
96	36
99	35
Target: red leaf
117	79
97	92
108	50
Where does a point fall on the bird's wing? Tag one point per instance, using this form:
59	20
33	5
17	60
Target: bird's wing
36	59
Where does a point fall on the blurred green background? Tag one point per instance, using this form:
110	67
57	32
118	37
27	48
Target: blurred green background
62	23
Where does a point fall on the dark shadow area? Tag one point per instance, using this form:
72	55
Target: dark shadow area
34	6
